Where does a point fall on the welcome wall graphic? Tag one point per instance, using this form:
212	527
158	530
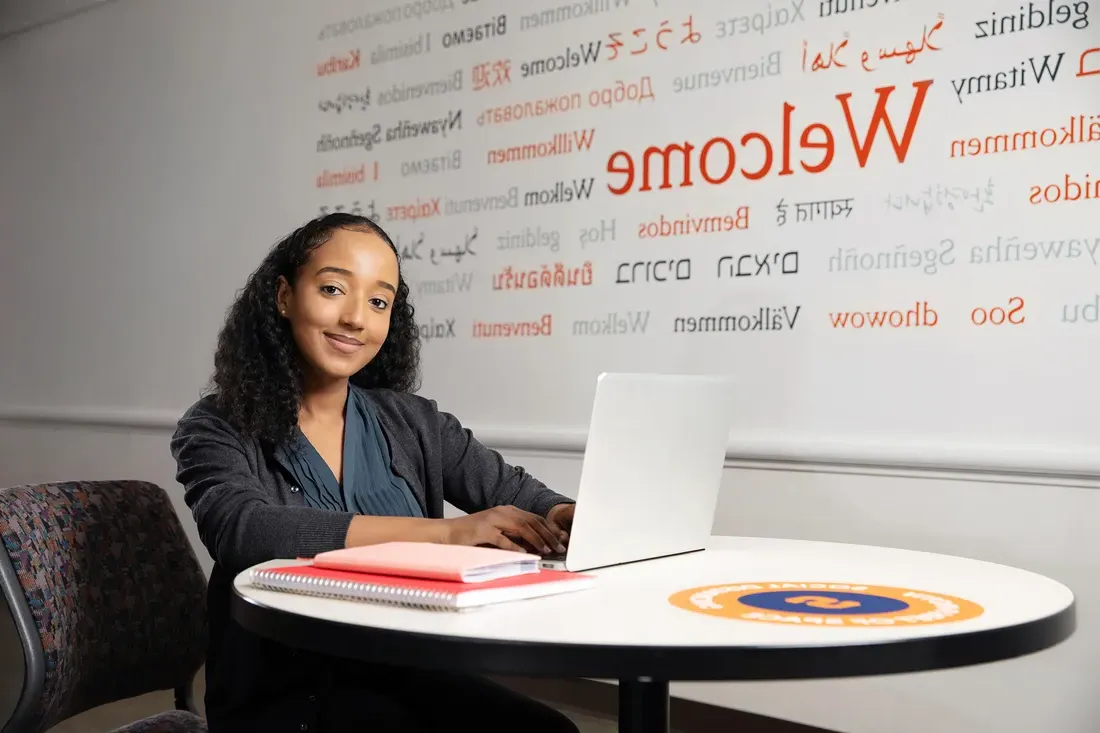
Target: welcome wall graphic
881	215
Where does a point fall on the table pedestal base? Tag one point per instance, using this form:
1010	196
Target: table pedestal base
643	706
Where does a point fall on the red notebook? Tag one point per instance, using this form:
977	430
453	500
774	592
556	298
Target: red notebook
415	592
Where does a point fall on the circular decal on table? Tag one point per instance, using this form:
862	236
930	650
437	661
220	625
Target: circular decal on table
826	604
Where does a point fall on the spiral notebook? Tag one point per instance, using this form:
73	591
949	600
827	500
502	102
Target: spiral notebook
440	595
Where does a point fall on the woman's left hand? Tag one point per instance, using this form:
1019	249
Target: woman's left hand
560	518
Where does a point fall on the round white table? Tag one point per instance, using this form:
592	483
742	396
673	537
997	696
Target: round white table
744	609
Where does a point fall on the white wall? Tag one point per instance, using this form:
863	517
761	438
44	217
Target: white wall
175	141
134	193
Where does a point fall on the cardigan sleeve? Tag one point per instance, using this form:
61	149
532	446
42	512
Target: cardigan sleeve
476	477
240	520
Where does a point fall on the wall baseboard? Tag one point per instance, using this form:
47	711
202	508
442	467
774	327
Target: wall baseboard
1077	464
600	699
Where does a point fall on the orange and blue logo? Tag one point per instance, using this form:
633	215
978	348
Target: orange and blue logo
826	604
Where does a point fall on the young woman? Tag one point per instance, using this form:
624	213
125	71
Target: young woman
312	440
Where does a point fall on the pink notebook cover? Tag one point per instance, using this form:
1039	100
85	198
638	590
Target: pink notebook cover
459	563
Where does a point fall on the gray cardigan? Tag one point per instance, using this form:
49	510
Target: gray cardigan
248	510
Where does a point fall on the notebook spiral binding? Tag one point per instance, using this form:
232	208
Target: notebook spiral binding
343	590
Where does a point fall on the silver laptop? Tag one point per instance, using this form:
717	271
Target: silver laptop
652	469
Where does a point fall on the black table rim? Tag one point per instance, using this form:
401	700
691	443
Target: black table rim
684	663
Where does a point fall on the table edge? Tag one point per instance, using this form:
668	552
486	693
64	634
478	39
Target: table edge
686	663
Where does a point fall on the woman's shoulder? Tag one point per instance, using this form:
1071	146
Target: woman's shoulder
204	416
205	406
411	408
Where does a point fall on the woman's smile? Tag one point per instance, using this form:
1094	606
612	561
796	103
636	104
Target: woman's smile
343	344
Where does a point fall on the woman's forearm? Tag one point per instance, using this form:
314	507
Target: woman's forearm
367	530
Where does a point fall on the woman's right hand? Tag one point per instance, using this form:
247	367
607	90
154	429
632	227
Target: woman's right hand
501	525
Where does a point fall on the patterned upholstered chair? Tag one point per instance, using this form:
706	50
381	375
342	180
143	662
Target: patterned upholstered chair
108	599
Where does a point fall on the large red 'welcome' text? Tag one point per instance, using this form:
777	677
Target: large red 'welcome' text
814	136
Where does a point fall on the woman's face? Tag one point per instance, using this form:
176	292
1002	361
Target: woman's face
339	308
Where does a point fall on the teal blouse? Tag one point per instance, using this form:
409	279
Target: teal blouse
370	485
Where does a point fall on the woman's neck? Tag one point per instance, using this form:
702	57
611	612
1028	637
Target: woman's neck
324	400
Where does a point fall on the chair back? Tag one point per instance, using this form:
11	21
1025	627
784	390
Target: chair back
107	595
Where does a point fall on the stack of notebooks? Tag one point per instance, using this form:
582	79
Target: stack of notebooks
421	575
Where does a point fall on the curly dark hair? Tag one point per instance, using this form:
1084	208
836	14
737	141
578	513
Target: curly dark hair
257	372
